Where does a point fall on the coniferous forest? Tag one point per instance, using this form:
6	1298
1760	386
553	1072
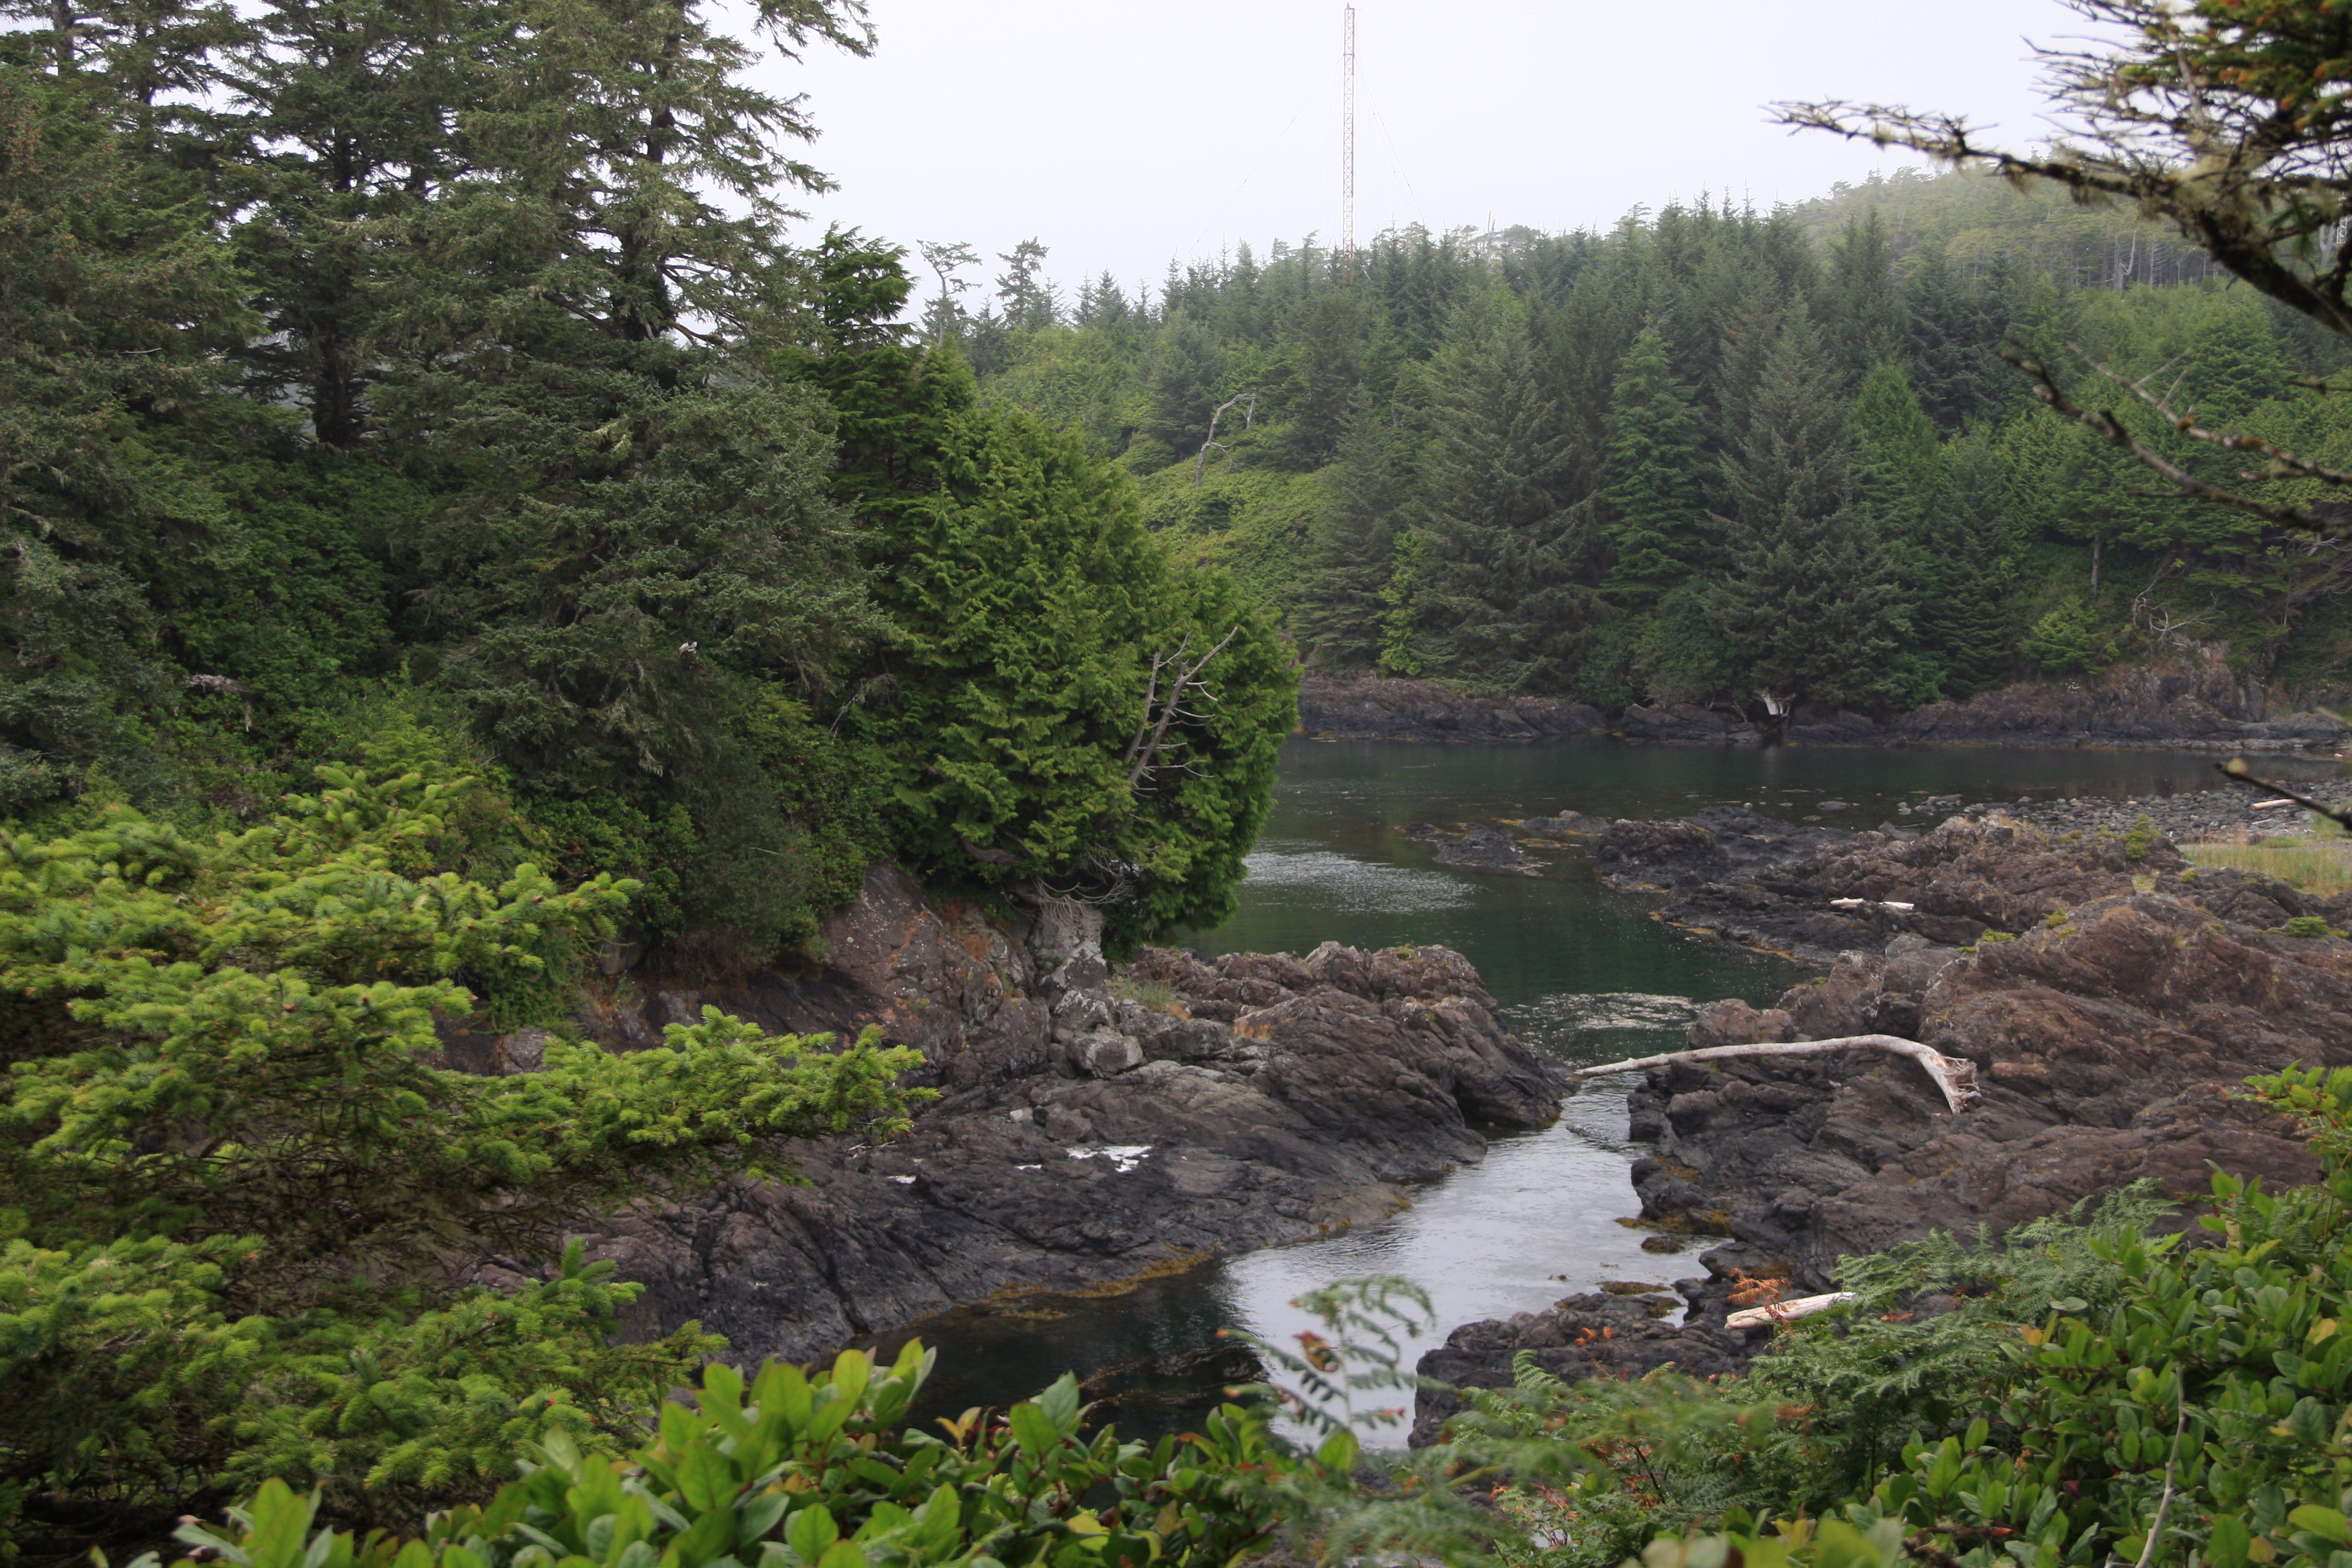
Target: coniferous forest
1711	453
460	525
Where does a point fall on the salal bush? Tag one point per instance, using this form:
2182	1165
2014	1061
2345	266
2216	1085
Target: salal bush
812	1470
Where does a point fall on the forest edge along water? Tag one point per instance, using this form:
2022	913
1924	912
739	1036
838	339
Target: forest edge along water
1583	973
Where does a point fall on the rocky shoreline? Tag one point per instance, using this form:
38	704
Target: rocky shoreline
1090	1130
2182	705
2109	994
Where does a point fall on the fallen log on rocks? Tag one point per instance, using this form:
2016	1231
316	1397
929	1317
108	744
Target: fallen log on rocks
1782	1312
1955	1077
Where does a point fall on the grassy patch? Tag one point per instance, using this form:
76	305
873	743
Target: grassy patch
2318	865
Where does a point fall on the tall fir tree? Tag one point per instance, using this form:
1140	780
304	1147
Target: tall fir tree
1352	546
1655	501
1498	601
1953	331
1812	600
1967	618
1861	305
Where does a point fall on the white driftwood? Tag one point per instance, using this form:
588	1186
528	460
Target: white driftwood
1955	1077
1782	1312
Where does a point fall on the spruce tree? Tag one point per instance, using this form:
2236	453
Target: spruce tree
1352	548
1187	385
1967	617
1952	334
1656	472
1812	600
1860	305
1497	601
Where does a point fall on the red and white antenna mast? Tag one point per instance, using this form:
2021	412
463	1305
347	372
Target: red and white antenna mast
1347	148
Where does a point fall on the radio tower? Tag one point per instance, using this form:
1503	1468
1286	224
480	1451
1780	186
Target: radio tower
1347	148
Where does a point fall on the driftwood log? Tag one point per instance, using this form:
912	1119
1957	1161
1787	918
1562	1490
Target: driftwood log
1782	1312
1957	1077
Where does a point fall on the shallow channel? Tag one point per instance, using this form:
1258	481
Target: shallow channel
1583	975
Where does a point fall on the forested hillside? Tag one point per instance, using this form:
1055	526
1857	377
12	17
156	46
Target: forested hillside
449	387
1712	453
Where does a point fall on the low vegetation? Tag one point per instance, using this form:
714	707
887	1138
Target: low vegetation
2100	1388
2321	866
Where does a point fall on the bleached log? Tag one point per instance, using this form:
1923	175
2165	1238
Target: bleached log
1782	1312
1956	1076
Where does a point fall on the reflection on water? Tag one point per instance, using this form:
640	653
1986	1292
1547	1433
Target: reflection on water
1583	975
1319	879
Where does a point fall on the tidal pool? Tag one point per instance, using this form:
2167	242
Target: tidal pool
1583	975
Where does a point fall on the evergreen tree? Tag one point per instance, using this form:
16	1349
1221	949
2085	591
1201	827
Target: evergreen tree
1027	295
1327	357
1952	335
1966	617
1860	305
1656	472
1038	631
1811	601
1187	385
1498	601
1352	546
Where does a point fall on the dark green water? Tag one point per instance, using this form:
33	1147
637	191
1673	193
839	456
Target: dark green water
1583	975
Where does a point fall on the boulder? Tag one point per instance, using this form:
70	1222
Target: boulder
1090	1127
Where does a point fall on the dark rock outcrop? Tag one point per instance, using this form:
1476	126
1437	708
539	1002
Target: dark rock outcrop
1579	1337
2107	1035
1485	846
1688	722
1815	892
1090	1130
2200	704
1374	710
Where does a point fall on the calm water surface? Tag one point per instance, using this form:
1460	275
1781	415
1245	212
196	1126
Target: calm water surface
1583	975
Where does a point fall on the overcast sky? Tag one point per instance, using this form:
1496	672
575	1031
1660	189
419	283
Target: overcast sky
1121	133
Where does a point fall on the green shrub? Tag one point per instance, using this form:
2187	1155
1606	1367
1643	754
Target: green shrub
2068	640
809	1471
240	1191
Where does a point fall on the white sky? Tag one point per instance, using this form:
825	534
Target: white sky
1123	134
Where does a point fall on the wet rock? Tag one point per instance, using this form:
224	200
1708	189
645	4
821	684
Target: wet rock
2107	1035
1568	824
1599	1334
1687	723
1090	1127
1484	847
2174	704
1371	708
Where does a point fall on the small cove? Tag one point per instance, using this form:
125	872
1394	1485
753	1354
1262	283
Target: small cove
1582	975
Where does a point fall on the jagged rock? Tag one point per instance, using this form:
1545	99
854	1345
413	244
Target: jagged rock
1484	847
1083	1135
1593	1335
2107	1035
2184	703
1569	824
1814	892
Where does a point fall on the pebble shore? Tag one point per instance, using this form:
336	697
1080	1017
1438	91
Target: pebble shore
2227	814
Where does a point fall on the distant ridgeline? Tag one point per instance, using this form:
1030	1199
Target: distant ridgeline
1712	452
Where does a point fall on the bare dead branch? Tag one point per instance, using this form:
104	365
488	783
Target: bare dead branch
1955	1075
2185	486
1249	419
1143	751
